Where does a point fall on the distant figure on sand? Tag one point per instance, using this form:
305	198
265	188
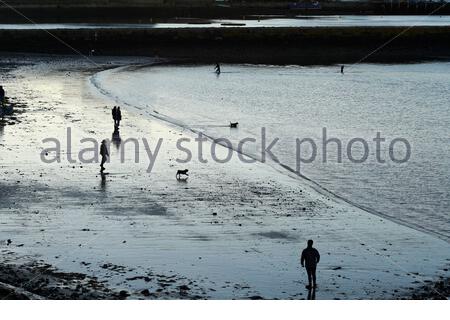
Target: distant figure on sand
2	96
217	68
310	258
104	153
119	116
114	116
342	69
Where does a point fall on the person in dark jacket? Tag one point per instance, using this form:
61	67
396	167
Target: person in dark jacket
104	153
310	258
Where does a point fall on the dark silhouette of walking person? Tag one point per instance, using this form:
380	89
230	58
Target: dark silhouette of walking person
310	258
114	116
342	69
2	96
119	116
217	68
104	153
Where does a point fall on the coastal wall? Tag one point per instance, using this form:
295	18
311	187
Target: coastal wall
320	45
107	3
136	11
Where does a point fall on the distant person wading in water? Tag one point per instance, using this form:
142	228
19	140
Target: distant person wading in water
342	69
104	153
217	68
310	258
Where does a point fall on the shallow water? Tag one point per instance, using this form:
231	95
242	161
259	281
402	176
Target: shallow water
301	21
399	101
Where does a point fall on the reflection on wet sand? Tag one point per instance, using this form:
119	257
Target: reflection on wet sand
103	181
312	294
116	140
2	125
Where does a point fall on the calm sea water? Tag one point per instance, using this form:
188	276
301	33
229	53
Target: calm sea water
301	21
409	101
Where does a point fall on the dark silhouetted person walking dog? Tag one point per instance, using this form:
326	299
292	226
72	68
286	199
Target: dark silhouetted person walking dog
310	258
104	153
114	116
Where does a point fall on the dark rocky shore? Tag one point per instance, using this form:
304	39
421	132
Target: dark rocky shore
35	281
40	281
439	290
307	46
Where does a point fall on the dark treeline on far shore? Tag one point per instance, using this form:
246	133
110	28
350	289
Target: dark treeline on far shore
145	11
320	45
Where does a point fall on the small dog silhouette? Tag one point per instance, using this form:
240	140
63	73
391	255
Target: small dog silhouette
234	124
182	172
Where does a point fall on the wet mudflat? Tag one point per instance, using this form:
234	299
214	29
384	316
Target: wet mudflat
231	231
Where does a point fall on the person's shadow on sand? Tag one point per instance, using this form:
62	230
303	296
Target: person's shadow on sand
103	181
116	140
2	127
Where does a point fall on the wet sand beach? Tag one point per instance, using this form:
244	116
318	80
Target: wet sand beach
231	231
